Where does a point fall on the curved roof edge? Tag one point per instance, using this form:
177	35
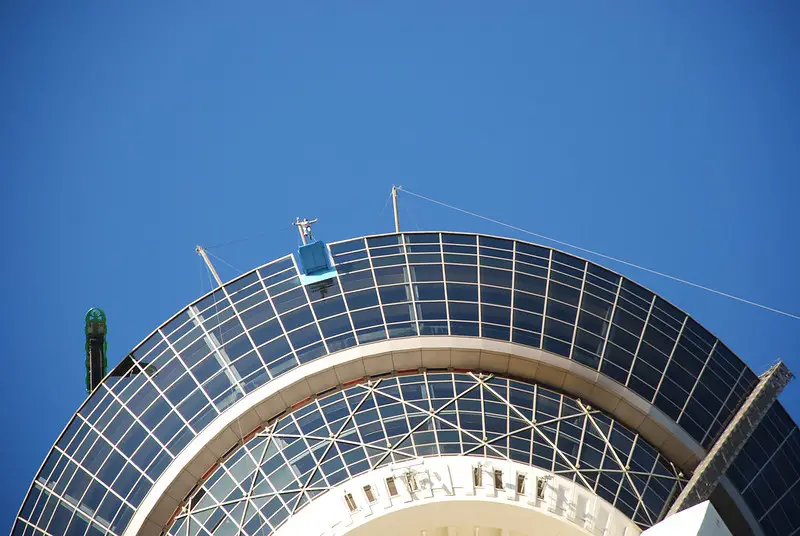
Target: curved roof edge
298	386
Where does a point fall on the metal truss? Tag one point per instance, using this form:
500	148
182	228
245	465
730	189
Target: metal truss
397	419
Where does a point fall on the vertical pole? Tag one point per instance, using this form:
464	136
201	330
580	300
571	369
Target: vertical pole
299	225
396	210
202	252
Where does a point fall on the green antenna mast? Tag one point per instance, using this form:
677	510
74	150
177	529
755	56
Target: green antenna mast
96	362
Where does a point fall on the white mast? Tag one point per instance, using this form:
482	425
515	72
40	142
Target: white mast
202	252
396	210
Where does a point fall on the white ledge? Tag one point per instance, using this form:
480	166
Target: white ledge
353	364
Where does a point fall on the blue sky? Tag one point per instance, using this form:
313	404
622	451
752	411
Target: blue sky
661	133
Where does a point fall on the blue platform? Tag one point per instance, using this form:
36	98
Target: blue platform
314	263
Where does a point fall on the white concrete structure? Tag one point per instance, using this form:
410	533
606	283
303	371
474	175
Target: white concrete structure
699	520
447	497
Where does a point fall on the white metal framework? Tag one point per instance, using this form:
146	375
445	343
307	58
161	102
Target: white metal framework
397	419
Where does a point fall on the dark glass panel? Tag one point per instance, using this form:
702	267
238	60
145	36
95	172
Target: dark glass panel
398	313
329	307
378	241
657	339
587	358
402	330
469	329
495	315
464	274
256	315
362	299
458	239
495	296
528	321
432	311
284	286
279	366
562	312
325	289
540	271
335	326
426	273
353	266
245	283
391	276
563	293
651	356
340	342
498	278
497	263
280	277
589	342
534	285
305	336
636	294
463	250
297	318
290	300
237	347
623	339
266	332
395	294
528	302
312	352
458	292
274	350
419	258
346	247
356	281
460	259
556	346
498	243
495	332
428	291
389	260
349	257
422	238
367	317
463	311
616	362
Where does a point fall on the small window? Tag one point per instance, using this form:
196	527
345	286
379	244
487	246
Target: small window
477	476
520	483
351	502
391	486
540	483
369	494
411	481
498	479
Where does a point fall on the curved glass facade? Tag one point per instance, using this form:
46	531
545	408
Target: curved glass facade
344	434
265	323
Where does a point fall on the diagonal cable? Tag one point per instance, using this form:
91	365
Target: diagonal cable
608	257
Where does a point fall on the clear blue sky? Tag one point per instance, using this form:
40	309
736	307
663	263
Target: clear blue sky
662	133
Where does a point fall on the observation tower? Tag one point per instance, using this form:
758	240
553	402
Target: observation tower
426	384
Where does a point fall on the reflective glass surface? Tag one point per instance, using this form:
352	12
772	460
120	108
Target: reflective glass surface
265	323
339	436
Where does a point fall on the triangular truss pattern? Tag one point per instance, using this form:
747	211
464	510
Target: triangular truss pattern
396	419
